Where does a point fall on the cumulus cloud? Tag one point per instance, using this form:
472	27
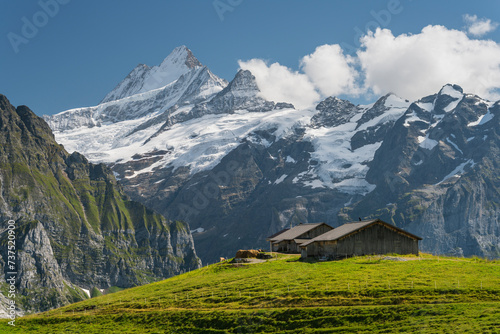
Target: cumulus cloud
409	65
413	66
327	71
331	71
479	27
280	84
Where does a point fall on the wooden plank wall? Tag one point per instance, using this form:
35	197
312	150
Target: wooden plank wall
376	239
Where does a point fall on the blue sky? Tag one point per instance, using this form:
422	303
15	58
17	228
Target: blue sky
84	48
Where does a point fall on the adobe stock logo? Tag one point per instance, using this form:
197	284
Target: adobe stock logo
223	6
30	27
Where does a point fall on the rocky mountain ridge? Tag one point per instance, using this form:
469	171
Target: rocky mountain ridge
75	227
437	173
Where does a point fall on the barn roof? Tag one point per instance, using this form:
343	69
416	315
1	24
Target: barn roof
277	233
300	241
346	229
294	232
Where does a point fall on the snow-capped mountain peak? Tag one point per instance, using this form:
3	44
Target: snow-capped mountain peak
181	56
241	93
147	93
454	91
243	83
144	78
448	98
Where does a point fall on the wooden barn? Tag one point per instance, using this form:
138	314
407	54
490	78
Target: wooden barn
288	240
361	238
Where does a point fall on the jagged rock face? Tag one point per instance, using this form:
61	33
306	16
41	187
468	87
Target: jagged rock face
39	280
242	93
333	112
76	227
436	174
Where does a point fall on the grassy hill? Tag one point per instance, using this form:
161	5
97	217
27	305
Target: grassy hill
357	295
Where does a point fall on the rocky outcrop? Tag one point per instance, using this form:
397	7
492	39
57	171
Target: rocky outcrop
40	283
333	112
75	227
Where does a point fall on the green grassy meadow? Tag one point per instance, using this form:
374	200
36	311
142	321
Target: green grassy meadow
424	294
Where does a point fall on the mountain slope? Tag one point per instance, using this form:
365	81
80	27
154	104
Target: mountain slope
76	228
358	295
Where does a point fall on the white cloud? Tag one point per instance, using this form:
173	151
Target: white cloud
479	27
331	71
327	71
414	66
280	84
409	65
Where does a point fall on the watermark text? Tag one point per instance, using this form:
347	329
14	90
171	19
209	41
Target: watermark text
32	25
11	274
